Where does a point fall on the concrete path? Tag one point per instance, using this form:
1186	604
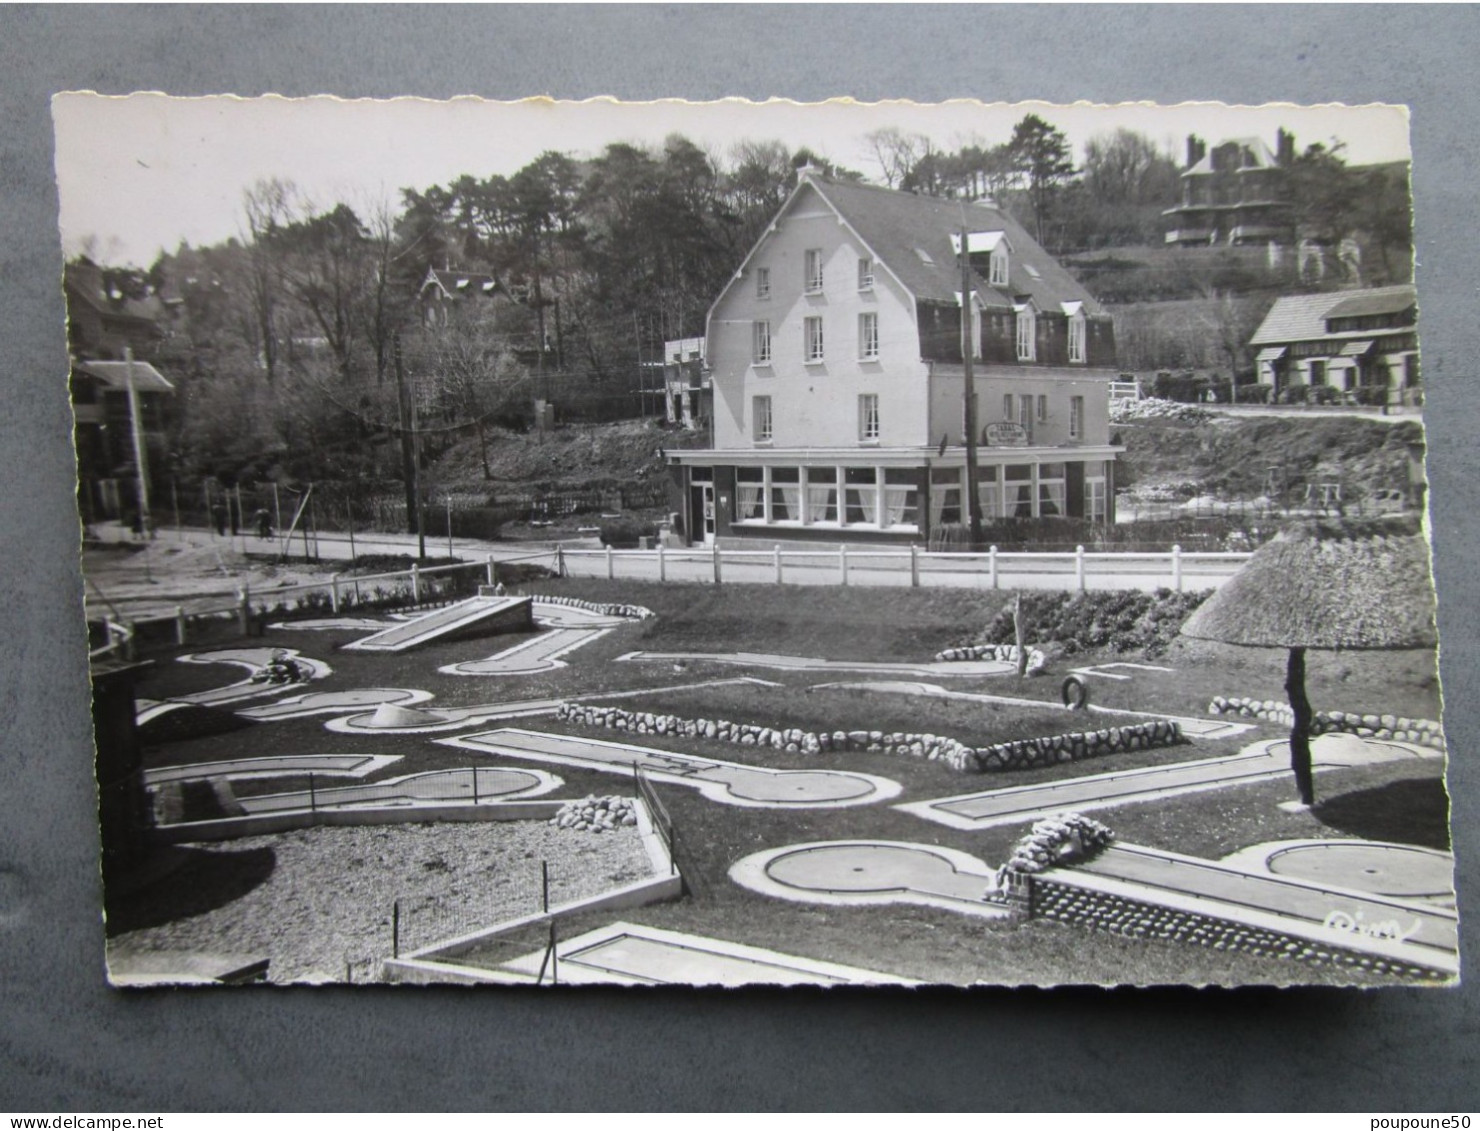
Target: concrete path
334	702
1103	670
628	954
1192	727
253	659
871	873
809	664
454	620
327	624
243	769
882	872
729	783
436	787
433	719
1408	930
1263	761
530	657
1401	871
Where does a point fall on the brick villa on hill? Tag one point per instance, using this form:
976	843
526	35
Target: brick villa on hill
837	377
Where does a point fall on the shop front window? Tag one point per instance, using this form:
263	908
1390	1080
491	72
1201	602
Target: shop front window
901	497
822	494
861	496
786	494
750	498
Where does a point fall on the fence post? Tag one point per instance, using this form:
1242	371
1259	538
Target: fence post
714	561
313	802
559	561
662	564
914	566
843	565
179	624
243	608
334	592
1079	567
545	885
475	785
776	553
492	571
992	565
610	569
1177	568
415	583
396	929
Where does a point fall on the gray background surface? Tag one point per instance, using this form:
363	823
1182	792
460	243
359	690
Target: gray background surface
67	1043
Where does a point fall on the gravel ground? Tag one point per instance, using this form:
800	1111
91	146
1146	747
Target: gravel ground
327	902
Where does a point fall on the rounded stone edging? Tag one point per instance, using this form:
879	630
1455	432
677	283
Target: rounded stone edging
1394	728
630	612
1004	653
1016	754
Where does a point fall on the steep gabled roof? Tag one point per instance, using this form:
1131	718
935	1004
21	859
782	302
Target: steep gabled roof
1253	153
897	226
114	374
457	284
910	236
1299	318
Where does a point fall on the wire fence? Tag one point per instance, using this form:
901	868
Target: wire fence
473	902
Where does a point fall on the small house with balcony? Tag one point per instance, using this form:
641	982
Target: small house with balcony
1351	340
835	356
1233	193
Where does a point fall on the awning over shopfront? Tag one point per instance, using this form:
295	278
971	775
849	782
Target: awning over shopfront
1272	353
1356	349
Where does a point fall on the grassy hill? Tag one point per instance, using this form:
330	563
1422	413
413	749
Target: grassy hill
1227	455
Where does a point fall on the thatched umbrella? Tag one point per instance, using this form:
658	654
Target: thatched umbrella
1329	584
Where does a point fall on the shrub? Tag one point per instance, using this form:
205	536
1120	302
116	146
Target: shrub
1254	394
1124	620
625	533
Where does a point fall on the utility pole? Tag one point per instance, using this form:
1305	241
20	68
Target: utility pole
408	439
141	465
968	297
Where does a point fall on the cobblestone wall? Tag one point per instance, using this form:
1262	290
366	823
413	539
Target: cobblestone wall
1041	897
1018	754
1397	728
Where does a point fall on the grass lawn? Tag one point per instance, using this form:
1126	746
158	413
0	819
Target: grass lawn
1402	802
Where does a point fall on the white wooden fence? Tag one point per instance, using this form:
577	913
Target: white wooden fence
909	566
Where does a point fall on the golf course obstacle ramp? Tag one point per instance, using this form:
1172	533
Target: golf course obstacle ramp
475	617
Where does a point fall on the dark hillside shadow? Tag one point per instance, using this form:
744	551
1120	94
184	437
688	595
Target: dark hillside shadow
1407	811
175	883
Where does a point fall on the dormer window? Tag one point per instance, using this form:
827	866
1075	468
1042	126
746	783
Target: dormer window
1075	313
988	253
865	274
1027	332
997	266
813	279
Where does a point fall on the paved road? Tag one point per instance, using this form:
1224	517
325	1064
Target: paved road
858	567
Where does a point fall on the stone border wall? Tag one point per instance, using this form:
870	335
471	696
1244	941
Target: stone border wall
1042	898
1422	732
1006	653
1024	753
631	612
